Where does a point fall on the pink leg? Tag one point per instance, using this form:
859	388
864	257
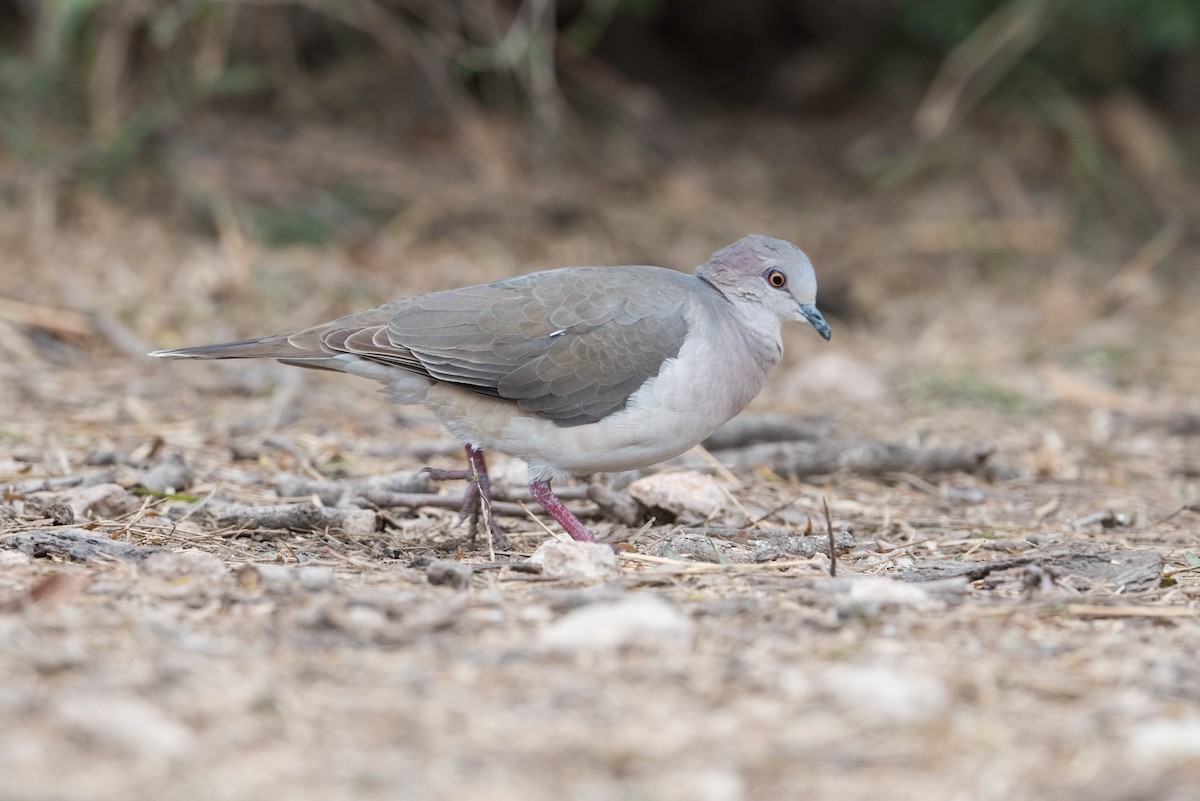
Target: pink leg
477	474
478	493
545	496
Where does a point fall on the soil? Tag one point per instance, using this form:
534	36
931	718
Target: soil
1027	630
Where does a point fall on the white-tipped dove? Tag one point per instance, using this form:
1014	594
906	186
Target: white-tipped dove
574	371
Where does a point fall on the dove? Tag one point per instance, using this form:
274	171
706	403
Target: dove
574	371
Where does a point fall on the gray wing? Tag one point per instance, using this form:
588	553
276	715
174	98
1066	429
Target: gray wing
572	345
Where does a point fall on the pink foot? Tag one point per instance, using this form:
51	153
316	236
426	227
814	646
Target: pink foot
478	495
545	496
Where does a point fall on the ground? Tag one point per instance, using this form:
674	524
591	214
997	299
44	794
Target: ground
1022	628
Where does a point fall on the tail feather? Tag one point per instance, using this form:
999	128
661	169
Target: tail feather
276	347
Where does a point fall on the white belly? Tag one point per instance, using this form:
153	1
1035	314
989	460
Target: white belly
690	398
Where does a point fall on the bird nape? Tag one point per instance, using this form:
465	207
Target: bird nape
575	371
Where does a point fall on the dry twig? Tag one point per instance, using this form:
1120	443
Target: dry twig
862	458
832	545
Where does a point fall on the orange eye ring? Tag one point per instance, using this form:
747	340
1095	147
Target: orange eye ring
776	279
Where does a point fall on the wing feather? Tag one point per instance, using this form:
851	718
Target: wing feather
571	345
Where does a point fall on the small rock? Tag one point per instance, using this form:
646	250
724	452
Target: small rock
179	564
647	621
871	589
359	523
315	578
689	495
1166	742
282	578
13	558
450	574
869	595
886	694
168	475
358	618
100	501
576	560
61	514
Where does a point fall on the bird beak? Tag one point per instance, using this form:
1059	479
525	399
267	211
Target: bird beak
810	312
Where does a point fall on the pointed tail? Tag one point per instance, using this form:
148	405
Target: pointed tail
276	347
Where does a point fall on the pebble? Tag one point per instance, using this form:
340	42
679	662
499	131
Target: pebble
1165	742
687	494
647	621
576	560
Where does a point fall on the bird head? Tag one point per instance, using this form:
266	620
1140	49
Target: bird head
761	270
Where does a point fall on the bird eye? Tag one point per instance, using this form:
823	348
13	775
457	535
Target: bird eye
776	279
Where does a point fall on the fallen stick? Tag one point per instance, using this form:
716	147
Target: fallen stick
864	458
1082	566
615	505
354	521
832	544
751	429
342	491
29	486
376	489
411	500
295	517
734	546
78	544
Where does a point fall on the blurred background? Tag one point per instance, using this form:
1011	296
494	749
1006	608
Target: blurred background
1000	198
177	171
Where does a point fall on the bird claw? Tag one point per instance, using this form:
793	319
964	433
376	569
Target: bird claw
477	495
437	474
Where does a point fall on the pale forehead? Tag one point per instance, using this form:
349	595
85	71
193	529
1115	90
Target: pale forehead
777	253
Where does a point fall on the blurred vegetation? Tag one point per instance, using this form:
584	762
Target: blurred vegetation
97	89
1094	43
966	388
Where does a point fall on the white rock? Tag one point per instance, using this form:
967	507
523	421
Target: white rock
287	577
886	694
689	494
13	558
1165	742
646	621
183	564
882	591
359	523
576	560
99	501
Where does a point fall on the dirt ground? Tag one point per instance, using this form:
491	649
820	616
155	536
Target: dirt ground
1024	628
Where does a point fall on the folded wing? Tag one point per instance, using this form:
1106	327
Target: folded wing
571	345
